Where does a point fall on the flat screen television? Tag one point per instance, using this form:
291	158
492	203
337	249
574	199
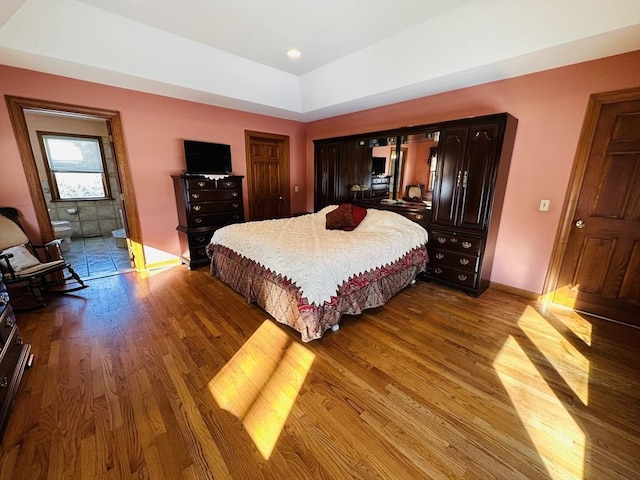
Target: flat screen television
207	158
379	165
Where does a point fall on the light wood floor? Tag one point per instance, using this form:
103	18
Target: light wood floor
174	376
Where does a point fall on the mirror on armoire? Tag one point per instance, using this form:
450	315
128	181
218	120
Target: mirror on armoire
409	162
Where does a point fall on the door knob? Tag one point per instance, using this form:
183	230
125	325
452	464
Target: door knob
580	224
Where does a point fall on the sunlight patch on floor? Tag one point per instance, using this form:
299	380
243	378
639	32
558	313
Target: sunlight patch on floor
581	327
556	436
261	382
572	365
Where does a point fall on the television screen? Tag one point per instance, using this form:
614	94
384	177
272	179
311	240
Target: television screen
379	165
206	158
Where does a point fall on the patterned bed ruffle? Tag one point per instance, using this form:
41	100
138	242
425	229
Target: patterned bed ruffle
281	299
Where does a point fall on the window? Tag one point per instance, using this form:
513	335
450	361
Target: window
75	166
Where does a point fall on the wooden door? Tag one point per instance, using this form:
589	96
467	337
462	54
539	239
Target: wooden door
451	149
600	269
477	177
267	175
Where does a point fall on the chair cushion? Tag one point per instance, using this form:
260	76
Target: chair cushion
10	234
41	268
22	258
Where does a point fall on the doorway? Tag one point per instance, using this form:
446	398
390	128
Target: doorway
596	262
19	110
267	175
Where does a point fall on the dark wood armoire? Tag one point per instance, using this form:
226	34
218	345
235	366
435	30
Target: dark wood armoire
473	157
471	176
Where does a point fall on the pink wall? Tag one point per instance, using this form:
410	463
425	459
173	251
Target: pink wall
550	107
154	127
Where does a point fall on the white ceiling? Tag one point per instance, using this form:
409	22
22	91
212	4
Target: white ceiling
356	54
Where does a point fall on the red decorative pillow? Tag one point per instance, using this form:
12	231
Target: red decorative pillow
341	218
358	215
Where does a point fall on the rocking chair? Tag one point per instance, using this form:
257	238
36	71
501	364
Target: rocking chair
20	263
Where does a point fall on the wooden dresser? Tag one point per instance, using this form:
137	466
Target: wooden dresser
379	187
15	356
204	205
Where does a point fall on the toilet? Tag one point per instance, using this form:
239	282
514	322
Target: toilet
62	231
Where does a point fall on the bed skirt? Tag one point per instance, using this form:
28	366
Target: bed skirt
282	300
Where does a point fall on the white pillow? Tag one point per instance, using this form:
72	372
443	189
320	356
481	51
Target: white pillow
22	258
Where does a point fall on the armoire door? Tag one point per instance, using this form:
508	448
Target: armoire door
477	170
600	270
326	175
451	150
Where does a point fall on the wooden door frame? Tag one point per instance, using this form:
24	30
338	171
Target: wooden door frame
248	135
596	102
16	107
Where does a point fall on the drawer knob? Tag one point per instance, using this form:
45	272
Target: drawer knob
4	381
462	277
234	194
195	195
441	239
439	256
201	252
453	240
235	205
201	184
198	220
8	323
464	261
466	244
236	217
437	271
200	238
197	208
419	217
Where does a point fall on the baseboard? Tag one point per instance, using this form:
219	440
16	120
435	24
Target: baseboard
529	295
163	264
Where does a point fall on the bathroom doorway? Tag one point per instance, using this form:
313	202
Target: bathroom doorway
100	235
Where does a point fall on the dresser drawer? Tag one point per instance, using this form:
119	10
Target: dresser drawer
418	217
7	321
452	275
213	220
455	242
446	258
198	253
201	208
199	196
8	360
380	180
380	193
200	239
206	184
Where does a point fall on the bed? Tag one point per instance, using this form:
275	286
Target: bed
307	276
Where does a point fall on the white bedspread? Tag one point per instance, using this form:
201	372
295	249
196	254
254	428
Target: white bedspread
318	260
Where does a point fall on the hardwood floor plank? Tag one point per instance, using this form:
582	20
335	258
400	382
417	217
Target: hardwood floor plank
127	379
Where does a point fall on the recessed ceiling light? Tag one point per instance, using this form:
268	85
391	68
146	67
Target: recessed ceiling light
293	53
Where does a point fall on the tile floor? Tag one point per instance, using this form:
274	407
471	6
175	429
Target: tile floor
97	257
